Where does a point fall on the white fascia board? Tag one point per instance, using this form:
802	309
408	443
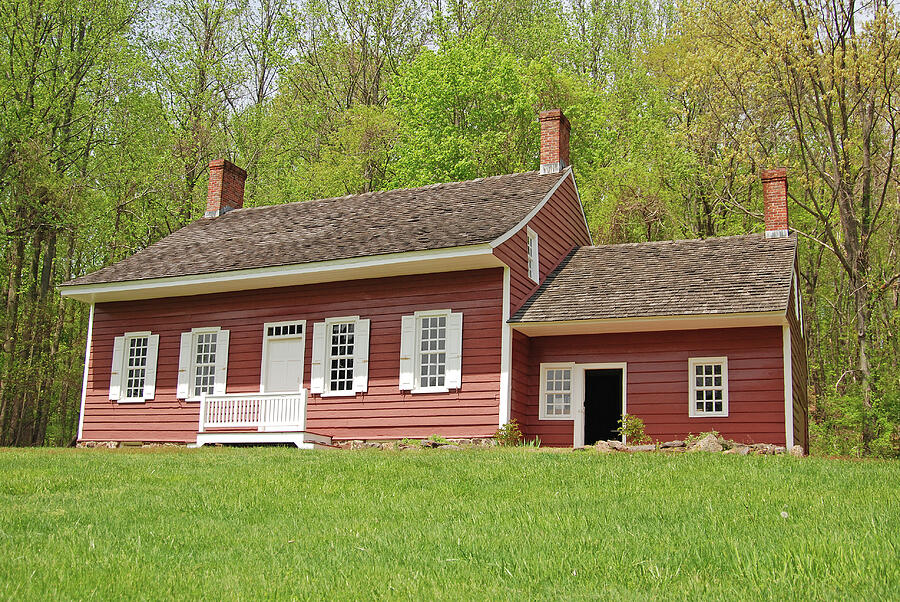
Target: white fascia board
512	232
614	325
581	206
377	266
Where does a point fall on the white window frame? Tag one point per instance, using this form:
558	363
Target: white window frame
534	263
265	350
329	322
417	354
692	387
150	366
192	363
542	408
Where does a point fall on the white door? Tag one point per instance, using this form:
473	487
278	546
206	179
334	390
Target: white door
284	365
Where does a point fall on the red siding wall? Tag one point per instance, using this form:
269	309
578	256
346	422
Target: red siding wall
657	380
383	412
560	227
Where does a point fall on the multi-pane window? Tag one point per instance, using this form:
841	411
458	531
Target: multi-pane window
136	367
533	260
709	387
341	342
432	351
285	330
204	363
556	393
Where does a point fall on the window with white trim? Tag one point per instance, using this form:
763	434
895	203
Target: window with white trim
133	373
203	368
340	362
431	351
534	266
556	392
202	363
341	345
136	366
709	386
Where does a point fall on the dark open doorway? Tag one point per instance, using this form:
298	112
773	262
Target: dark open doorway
602	404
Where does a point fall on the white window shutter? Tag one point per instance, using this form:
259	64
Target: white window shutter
407	352
454	350
150	368
115	376
221	362
361	357
184	365
317	374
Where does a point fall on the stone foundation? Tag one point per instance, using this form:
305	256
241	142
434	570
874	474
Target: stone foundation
117	444
399	444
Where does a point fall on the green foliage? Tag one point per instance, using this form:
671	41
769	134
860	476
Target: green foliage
632	428
438	439
509	434
464	112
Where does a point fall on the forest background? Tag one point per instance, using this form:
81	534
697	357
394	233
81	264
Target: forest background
110	111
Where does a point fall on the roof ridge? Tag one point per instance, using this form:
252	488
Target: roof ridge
757	235
371	193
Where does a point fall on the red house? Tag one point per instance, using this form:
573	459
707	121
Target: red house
448	309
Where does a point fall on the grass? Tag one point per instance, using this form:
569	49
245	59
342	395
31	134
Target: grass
483	524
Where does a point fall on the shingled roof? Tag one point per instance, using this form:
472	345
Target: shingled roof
412	219
726	275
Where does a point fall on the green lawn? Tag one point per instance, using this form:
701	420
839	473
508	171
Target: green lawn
509	524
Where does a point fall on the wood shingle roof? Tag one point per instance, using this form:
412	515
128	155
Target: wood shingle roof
412	219
725	275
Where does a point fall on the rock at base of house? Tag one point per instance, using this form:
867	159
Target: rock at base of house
604	447
710	443
797	451
671	444
641	448
738	450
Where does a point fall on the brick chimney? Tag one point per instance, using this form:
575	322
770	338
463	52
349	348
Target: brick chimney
226	188
555	130
774	183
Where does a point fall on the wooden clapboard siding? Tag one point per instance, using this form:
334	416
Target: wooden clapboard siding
560	227
657	381
800	375
382	412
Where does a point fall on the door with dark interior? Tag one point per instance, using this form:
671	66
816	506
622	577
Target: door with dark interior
602	404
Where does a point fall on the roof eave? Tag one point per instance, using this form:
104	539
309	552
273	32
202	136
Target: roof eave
649	323
450	259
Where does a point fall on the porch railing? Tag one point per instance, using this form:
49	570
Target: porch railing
263	411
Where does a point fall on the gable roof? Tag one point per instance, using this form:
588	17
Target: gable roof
725	275
439	216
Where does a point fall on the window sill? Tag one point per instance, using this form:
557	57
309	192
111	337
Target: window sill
430	390
570	417
338	394
725	415
136	400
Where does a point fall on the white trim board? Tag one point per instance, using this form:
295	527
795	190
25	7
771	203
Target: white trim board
301	439
579	393
451	259
505	354
788	387
515	229
87	361
610	325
